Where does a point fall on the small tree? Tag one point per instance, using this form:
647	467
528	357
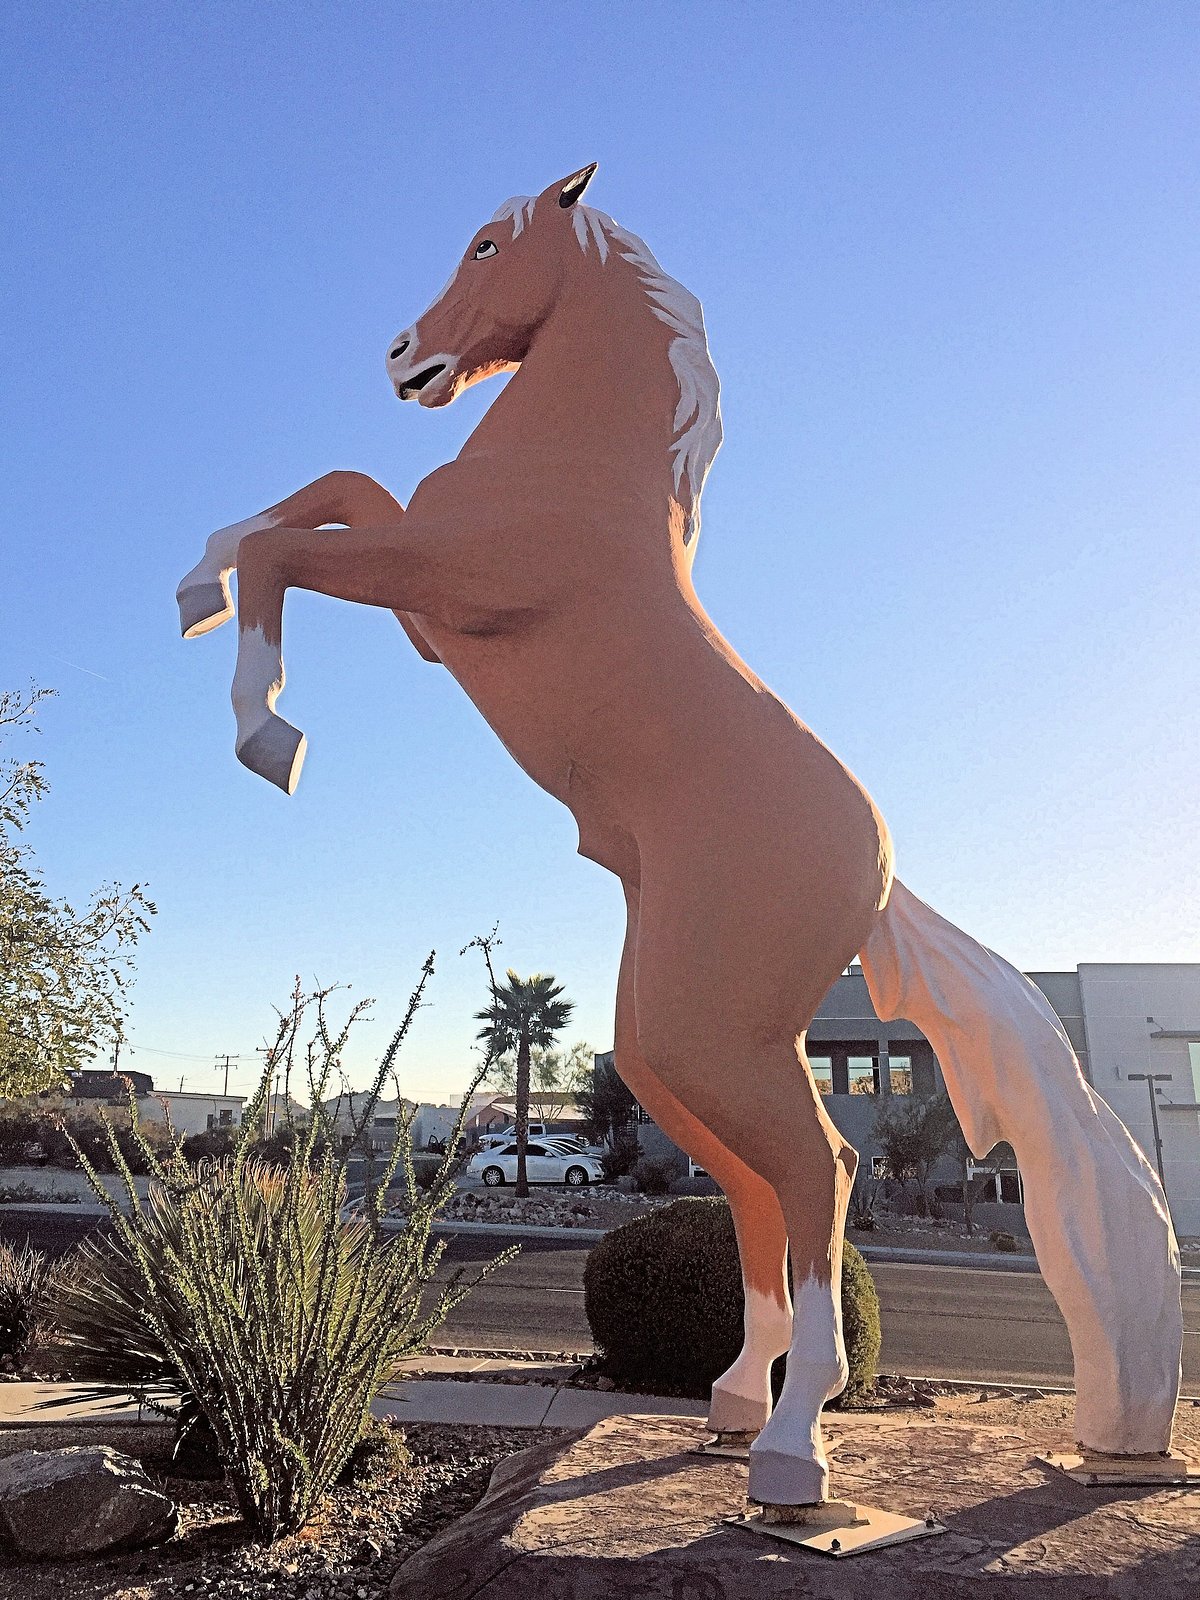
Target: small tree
556	1076
608	1107
968	1184
63	972
524	1013
913	1139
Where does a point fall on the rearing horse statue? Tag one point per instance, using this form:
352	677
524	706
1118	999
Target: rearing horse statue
548	568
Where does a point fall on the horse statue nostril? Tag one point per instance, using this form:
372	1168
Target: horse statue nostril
399	350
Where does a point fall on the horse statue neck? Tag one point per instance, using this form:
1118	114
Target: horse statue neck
617	380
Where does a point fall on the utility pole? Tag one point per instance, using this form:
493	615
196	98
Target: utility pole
1150	1079
228	1059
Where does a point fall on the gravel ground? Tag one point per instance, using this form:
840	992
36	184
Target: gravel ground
361	1537
598	1207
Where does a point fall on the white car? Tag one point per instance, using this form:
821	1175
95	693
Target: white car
544	1163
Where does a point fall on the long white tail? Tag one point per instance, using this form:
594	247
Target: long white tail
1095	1208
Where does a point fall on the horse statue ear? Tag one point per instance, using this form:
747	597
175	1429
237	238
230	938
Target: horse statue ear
572	188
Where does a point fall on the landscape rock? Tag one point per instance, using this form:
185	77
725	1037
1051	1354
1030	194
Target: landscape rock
79	1501
629	1510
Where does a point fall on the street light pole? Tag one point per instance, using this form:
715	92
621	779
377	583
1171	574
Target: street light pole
1150	1079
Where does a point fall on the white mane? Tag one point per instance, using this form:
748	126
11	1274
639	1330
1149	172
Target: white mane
697	436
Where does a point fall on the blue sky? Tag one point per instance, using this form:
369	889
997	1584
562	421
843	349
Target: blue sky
948	255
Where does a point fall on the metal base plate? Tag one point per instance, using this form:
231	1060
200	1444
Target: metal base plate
1140	1472
871	1529
730	1446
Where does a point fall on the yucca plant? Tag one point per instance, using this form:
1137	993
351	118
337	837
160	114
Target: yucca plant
26	1277
243	1292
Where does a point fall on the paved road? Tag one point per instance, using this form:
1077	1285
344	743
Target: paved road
949	1322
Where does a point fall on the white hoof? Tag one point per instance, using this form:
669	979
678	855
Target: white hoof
787	1460
784	1478
275	751
203	607
730	1412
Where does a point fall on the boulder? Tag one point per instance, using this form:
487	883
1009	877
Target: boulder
628	1512
79	1501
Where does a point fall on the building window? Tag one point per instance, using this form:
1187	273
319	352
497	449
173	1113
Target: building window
226	1120
900	1076
1003	1187
879	1167
1194	1058
821	1068
863	1074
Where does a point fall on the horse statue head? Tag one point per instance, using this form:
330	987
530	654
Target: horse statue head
536	257
499	294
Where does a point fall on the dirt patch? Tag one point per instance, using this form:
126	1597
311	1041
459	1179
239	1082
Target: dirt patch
350	1553
1053	1412
923	1233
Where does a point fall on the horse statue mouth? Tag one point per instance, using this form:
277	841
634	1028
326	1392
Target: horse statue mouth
413	386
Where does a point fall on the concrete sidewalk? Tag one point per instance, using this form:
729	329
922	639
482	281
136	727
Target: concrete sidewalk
545	1404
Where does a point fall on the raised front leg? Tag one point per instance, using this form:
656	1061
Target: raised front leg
405	566
349	498
203	594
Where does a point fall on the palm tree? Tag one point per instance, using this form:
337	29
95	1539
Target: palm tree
524	1013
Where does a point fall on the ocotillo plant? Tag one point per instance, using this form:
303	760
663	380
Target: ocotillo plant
245	1292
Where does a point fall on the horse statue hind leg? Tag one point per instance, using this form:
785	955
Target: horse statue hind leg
722	1037
741	1397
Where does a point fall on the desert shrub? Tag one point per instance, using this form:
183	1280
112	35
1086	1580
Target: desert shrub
426	1169
25	1194
47	1138
240	1293
1005	1242
379	1456
663	1297
26	1276
863	1200
621	1155
210	1145
21	1141
653	1175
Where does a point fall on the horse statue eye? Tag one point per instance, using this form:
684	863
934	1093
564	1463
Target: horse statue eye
485	247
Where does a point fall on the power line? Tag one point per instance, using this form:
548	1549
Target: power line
153	1050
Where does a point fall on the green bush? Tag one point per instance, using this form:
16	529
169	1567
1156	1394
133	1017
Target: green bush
379	1456
426	1169
653	1175
663	1297
26	1277
241	1293
21	1137
48	1138
210	1145
620	1155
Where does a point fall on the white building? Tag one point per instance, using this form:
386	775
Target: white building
1135	1027
191	1111
1141	1023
